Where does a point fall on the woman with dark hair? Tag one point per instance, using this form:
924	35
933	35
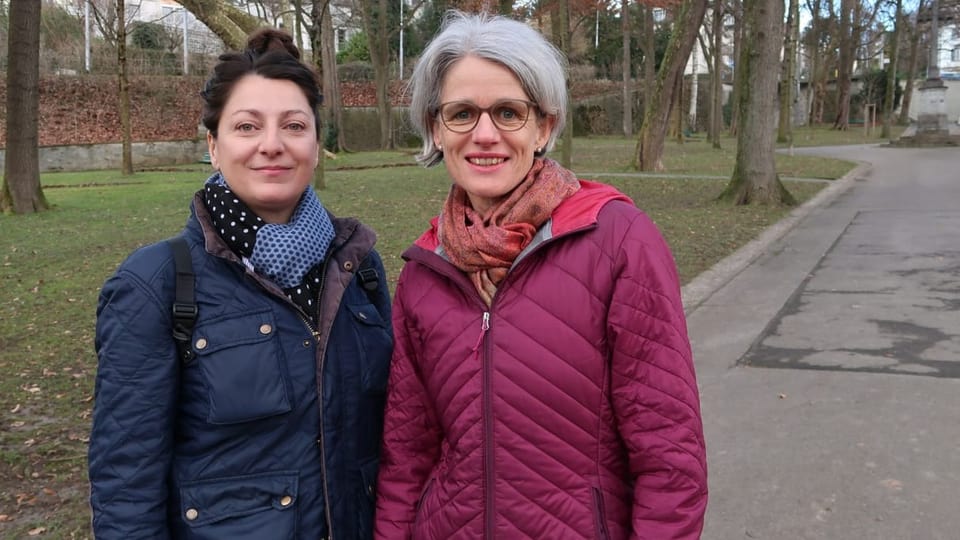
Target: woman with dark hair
542	384
265	421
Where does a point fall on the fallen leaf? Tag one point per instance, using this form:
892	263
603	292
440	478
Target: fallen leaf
37	531
15	409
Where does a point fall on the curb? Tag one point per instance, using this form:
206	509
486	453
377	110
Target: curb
702	287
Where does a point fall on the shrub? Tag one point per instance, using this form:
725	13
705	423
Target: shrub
355	71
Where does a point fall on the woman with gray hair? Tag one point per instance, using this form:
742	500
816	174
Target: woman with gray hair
542	384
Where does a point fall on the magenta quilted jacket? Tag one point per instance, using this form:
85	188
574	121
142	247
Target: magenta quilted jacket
567	409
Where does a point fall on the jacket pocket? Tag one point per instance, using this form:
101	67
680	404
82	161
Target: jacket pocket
375	343
241	507
240	360
599	514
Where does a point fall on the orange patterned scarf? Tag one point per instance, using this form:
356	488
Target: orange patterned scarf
485	248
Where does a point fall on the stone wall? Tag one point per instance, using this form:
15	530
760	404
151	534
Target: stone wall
83	157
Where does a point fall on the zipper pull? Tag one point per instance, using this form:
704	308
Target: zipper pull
484	326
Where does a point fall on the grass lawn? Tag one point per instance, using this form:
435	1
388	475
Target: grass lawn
53	263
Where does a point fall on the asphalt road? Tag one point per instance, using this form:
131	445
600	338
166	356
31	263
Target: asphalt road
828	356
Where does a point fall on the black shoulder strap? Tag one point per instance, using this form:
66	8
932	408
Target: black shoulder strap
369	279
184	305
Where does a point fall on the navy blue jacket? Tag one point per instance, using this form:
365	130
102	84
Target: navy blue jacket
273	429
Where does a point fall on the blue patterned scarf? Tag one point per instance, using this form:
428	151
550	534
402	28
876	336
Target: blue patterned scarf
284	252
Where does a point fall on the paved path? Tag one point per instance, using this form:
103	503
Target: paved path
828	355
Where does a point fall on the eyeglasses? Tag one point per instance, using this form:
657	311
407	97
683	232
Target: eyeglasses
506	114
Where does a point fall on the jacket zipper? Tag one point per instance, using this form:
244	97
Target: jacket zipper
488	474
321	442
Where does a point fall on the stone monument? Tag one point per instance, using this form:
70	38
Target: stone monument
932	127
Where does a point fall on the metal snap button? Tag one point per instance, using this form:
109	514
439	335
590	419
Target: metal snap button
265	329
348	266
306	343
286	500
201	344
192	514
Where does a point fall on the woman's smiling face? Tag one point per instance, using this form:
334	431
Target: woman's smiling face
487	162
266	145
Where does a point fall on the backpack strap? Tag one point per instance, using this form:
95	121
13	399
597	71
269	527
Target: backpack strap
369	279
184	304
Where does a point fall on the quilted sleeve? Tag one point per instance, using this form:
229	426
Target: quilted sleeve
654	389
411	435
132	434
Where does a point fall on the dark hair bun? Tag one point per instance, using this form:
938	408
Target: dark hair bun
267	40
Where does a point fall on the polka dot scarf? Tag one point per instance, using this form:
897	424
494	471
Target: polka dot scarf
289	254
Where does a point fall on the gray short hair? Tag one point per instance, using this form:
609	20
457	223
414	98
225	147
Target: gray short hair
540	67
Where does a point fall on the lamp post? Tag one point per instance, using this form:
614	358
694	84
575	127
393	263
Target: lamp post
186	50
933	69
86	35
401	41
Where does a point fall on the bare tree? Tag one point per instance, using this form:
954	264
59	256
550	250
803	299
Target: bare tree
375	26
657	106
124	94
230	23
821	46
736	10
854	18
716	77
847	54
788	81
755	178
912	63
331	80
648	44
627	79
892	71
563	35
21	191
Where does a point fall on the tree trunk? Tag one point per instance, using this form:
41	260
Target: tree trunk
812	48
892	73
21	191
566	145
627	76
331	79
315	31
229	23
911	74
716	82
848	48
126	152
789	80
649	48
737	46
374	14
754	178
675	131
657	108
